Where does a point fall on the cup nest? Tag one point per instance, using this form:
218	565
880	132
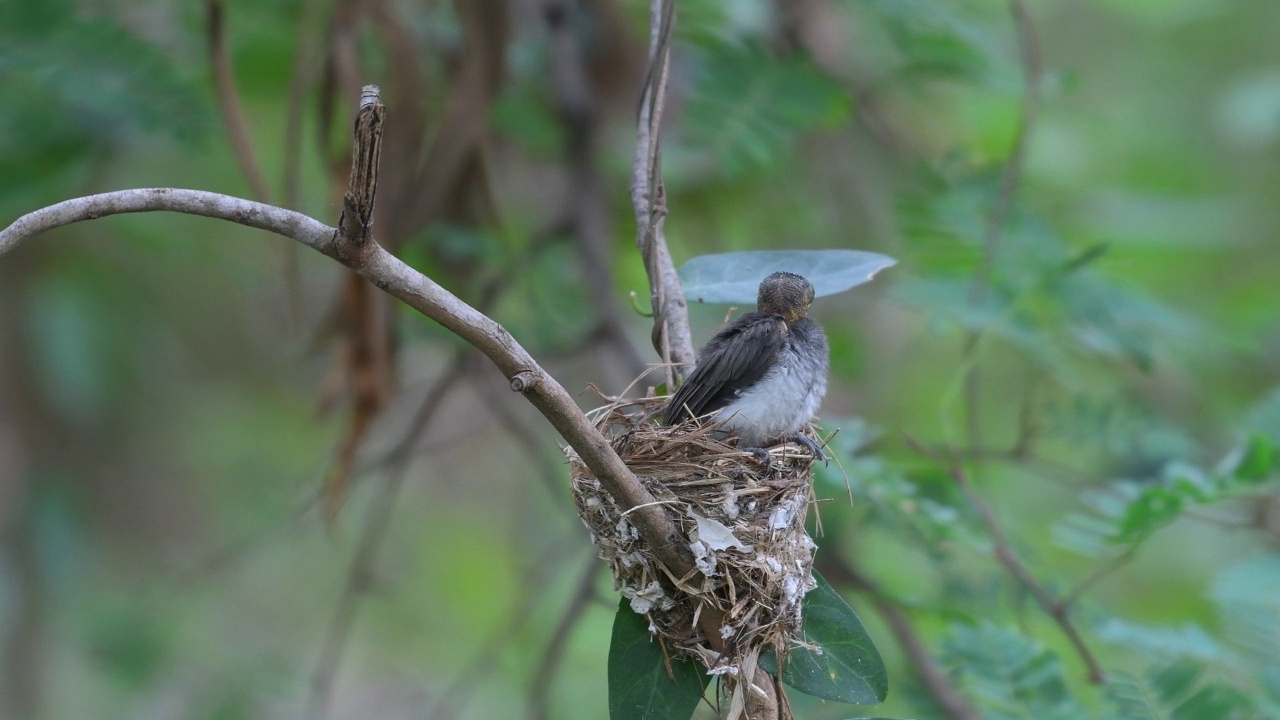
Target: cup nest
743	521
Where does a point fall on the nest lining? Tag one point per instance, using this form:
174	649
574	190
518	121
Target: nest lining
743	521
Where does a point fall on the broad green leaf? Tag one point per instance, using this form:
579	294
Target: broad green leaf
849	668
639	688
735	277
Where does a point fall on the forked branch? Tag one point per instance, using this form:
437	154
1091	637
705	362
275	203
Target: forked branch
416	290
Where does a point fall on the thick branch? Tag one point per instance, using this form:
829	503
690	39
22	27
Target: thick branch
671	335
306	230
419	292
355	227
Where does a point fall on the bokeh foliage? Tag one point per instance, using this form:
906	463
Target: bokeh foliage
160	445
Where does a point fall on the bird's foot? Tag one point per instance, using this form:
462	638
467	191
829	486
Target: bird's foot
812	446
762	455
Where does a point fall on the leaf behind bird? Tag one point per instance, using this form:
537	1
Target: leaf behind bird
735	277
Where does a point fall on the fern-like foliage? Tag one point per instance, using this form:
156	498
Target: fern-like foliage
1011	675
75	83
1125	513
748	110
1176	691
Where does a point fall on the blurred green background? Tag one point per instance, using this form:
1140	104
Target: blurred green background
175	391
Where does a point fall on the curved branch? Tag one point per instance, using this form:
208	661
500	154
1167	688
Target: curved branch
390	274
305	229
671	336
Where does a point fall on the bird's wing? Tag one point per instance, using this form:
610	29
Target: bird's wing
734	360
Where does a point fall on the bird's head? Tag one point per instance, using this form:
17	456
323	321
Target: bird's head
785	294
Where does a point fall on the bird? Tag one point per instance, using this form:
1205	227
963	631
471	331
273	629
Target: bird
764	374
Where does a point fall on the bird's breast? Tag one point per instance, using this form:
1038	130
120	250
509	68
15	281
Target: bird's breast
782	401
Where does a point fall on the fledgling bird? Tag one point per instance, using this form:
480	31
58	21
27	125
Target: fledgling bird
765	373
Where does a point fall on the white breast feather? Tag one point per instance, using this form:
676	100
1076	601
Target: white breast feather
776	406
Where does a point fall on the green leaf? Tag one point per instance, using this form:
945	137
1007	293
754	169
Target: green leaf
1175	681
735	277
1257	459
639	688
849	668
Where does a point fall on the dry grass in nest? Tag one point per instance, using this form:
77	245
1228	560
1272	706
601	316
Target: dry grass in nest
744	523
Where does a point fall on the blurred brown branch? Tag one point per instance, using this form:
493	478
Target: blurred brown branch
843	572
1058	610
396	278
360	578
232	111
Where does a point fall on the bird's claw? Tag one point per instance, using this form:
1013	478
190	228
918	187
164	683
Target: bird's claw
812	446
762	455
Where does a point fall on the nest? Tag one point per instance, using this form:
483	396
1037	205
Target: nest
743	520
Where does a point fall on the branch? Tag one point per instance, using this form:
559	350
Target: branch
229	106
540	685
1058	610
374	530
355	227
1032	72
587	207
953	704
671	336
422	294
306	230
1029	48
303	76
351	247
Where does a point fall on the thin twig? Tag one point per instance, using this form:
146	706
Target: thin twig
451	701
232	112
374	530
540	685
671	335
585	200
1098	574
229	105
302	79
1010	177
842	571
1005	554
